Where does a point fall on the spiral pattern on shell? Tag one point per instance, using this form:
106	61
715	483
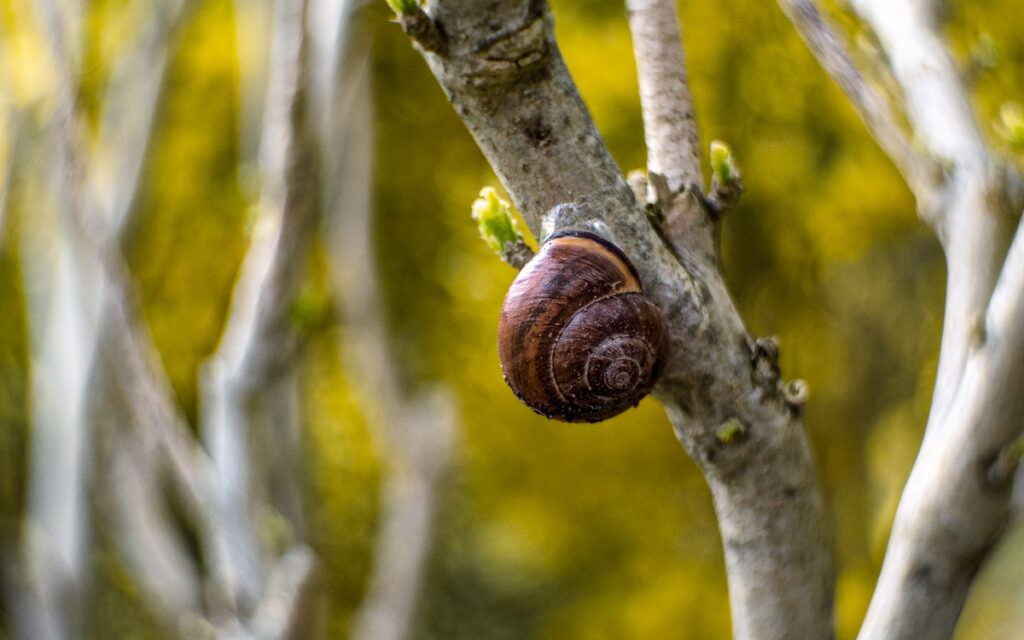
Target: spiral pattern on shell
578	340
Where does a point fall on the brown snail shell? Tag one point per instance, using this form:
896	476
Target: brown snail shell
578	340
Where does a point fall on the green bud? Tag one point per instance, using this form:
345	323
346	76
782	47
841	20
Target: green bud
722	163
1012	129
403	7
496	224
731	431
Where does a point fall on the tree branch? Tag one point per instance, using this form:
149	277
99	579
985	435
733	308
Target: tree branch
920	172
130	108
670	125
507	80
248	378
415	431
954	508
971	206
971	212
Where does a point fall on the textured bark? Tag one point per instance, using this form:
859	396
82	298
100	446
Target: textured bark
416	431
505	77
957	500
948	518
670	126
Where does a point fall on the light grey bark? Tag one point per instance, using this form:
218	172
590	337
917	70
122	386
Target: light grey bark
144	440
248	394
505	77
130	107
415	431
931	560
670	126
957	500
63	315
873	107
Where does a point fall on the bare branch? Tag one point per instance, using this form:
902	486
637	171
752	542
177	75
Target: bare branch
920	172
951	512
143	530
130	107
973	214
420	451
516	97
247	377
670	126
417	431
288	608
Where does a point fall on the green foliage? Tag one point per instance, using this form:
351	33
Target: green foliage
1011	125
722	163
403	7
731	431
494	220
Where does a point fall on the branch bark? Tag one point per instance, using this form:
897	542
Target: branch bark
505	77
951	511
416	431
248	386
957	501
160	438
670	124
919	170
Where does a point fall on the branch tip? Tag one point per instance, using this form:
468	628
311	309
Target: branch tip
419	26
517	253
731	431
726	180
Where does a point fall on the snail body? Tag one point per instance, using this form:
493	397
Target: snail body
578	340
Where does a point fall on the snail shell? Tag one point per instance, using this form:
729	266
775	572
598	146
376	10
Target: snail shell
578	340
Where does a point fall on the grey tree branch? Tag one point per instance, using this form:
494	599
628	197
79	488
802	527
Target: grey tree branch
971	211
927	570
511	88
954	508
948	517
670	126
415	431
919	170
130	107
250	377
64	318
161	438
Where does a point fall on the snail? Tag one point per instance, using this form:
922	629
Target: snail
578	340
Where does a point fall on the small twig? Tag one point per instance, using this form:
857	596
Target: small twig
244	379
670	126
725	195
517	253
416	430
288	609
421	28
131	105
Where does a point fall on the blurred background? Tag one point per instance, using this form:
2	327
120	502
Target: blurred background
424	490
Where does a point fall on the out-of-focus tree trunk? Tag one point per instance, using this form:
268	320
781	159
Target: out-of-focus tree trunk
416	431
